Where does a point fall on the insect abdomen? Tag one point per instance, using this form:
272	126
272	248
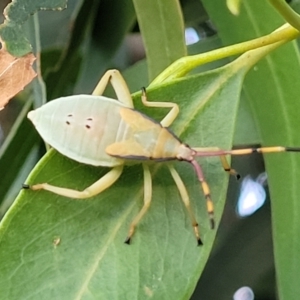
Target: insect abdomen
81	127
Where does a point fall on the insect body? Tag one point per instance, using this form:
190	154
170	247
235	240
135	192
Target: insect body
100	131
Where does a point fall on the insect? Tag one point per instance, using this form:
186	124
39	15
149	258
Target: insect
100	131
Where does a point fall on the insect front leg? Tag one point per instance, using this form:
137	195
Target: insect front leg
206	192
186	201
147	202
118	83
170	117
96	188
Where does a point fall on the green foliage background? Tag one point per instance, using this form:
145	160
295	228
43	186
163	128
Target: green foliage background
90	261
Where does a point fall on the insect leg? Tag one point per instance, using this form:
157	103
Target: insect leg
118	83
96	188
147	202
185	199
206	192
172	114
224	161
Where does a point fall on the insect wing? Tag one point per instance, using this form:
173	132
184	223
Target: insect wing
147	139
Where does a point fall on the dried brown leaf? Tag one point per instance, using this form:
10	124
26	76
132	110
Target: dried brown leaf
15	74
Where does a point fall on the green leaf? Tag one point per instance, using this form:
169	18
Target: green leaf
246	131
162	29
272	94
16	13
55	247
279	125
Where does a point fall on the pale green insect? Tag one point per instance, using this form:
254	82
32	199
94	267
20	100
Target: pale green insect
99	131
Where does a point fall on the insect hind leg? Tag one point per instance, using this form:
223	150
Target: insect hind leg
96	188
185	199
147	202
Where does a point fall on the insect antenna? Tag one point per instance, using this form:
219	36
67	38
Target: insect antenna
204	152
245	151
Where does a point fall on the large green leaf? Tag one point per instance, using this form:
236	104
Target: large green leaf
273	93
55	247
162	29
